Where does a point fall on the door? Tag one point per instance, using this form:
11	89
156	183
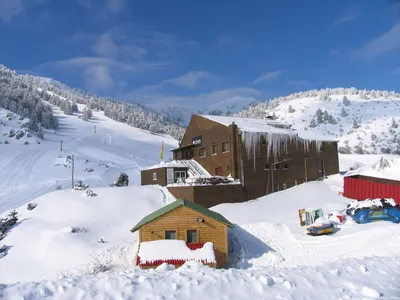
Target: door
218	171
170	175
321	171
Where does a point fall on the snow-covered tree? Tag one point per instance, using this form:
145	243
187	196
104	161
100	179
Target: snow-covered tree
313	123
345	101
122	180
355	124
394	124
343	113
291	109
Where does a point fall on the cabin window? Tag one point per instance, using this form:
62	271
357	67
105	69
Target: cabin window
170	235
202	152
286	167
225	147
277	167
154	176
267	167
214	149
191	236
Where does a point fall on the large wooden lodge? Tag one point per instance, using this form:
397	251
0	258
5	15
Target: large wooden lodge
230	159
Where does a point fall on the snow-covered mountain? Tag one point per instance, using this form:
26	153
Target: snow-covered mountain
23	93
363	121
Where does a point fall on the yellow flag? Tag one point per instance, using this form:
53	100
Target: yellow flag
162	151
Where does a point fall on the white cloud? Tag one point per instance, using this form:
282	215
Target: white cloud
346	18
388	41
110	6
10	8
97	77
152	95
227	42
190	79
105	46
268	76
115	6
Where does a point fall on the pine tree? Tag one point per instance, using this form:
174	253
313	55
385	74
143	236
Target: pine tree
355	124
343	113
345	101
122	180
319	116
394	124
313	123
291	109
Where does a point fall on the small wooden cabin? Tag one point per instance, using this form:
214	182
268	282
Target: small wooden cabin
190	222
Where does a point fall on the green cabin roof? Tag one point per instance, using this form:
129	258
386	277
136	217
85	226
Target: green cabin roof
180	202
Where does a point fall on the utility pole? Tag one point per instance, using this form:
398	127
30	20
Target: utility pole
94	128
61	145
72	170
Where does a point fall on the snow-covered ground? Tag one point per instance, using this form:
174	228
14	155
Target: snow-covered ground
102	149
271	255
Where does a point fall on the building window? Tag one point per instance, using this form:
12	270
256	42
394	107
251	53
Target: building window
214	149
170	235
179	155
218	171
277	167
180	175
191	236
154	176
202	152
225	147
263	141
267	167
286	167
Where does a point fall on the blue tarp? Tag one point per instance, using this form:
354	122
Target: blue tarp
367	215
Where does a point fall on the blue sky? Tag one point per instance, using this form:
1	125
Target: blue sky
181	52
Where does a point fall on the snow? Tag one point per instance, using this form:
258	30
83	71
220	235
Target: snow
29	171
174	249
43	245
370	203
55	252
168	164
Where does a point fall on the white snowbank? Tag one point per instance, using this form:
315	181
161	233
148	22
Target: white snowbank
370	202
43	244
174	249
342	279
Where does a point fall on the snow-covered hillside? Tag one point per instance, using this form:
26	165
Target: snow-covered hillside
271	256
102	148
363	121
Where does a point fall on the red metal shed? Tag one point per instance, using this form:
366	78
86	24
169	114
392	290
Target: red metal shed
360	187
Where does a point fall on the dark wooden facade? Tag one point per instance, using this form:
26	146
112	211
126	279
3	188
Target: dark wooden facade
258	175
159	175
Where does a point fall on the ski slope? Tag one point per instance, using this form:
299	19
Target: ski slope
101	144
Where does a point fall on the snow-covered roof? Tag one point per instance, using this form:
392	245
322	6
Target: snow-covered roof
168	164
250	125
174	249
